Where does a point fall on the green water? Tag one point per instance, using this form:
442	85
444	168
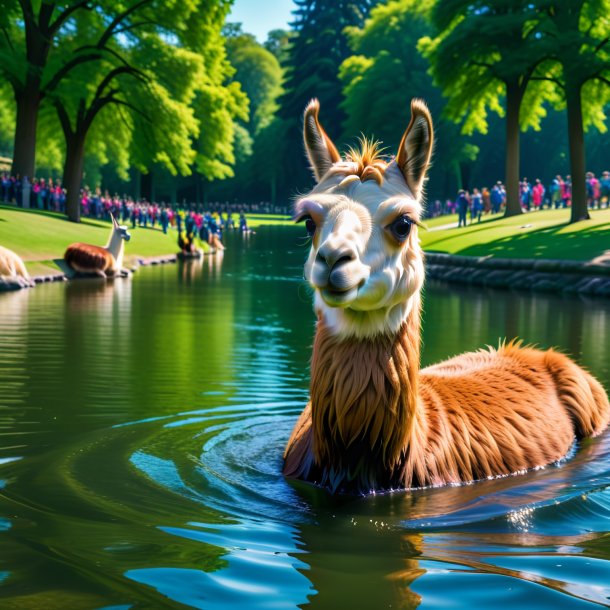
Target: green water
142	424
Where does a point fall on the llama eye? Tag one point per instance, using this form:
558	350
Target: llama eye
310	225
401	227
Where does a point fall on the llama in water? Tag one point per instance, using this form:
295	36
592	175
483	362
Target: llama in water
104	261
374	420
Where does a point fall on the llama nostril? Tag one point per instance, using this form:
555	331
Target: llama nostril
346	258
334	258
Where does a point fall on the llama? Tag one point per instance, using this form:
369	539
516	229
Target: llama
13	274
104	261
374	420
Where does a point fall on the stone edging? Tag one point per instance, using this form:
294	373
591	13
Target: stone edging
543	275
8	284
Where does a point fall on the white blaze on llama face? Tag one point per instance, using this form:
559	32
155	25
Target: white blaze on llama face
365	263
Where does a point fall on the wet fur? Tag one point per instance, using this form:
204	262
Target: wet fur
375	422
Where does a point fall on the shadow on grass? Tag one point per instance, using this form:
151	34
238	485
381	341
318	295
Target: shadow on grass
585	244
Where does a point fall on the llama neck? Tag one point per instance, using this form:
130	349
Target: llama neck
364	403
116	247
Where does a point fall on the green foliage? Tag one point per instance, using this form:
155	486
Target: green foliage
258	72
384	74
318	47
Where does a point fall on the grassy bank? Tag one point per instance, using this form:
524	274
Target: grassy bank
543	234
39	237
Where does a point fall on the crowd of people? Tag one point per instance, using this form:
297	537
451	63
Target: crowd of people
536	196
49	194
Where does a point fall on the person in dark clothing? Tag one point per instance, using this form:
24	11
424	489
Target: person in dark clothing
462	207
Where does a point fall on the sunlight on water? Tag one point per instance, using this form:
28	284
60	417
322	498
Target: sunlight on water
143	424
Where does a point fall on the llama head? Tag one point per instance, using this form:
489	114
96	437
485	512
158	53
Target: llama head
365	263
119	230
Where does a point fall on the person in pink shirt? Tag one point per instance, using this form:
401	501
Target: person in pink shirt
537	194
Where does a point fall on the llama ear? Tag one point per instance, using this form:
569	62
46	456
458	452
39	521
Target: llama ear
320	149
115	224
416	147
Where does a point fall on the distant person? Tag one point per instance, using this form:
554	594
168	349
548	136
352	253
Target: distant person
555	191
243	223
526	194
538	194
462	207
476	206
485	194
497	197
604	186
566	191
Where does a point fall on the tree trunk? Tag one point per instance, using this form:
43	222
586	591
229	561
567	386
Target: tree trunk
513	106
24	155
147	186
576	137
73	175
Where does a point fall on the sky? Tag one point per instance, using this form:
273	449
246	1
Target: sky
260	16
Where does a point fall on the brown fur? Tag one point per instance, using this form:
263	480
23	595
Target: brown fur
376	422
87	258
369	163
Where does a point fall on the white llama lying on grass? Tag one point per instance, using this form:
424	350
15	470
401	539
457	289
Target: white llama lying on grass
374	420
13	274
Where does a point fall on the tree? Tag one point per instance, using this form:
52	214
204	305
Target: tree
165	91
483	51
318	47
33	56
278	43
259	74
385	72
576	34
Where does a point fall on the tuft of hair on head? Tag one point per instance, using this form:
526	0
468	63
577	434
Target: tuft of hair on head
370	165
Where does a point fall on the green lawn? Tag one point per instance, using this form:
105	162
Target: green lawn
544	234
39	237
257	220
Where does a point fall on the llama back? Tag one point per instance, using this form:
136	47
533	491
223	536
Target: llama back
87	258
582	395
499	412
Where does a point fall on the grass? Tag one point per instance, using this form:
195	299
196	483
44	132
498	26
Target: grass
257	220
39	237
544	234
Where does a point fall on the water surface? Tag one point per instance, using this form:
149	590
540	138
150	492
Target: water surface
142	424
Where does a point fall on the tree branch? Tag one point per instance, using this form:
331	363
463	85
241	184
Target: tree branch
65	69
110	30
601	45
133	26
550	79
8	38
603	79
64	119
66	14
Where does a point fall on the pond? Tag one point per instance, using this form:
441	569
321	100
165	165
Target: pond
142	425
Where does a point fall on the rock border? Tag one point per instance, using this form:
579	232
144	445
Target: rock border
534	275
8	284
